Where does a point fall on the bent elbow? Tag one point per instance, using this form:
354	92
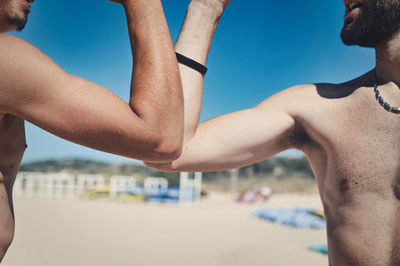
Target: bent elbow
159	143
167	150
166	155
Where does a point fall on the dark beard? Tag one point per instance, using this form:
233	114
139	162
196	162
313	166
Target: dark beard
377	23
18	21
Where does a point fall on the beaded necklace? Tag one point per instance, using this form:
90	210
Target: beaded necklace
378	96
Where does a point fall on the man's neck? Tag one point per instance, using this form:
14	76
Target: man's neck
388	61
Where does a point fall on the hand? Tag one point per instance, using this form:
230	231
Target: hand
218	5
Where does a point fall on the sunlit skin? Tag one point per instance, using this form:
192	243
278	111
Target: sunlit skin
34	88
350	140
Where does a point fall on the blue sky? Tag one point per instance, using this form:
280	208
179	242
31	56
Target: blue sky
260	48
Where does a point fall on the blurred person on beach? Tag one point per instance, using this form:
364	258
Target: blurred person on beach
349	132
35	89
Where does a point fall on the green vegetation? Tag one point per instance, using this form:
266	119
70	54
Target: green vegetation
279	167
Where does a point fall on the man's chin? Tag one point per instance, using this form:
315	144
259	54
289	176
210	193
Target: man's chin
362	43
353	33
347	36
17	24
21	26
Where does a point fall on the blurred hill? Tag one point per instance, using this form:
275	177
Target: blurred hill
286	174
84	166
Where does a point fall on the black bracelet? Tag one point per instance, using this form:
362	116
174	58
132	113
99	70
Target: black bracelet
192	64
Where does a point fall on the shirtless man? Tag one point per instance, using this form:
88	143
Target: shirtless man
34	88
350	139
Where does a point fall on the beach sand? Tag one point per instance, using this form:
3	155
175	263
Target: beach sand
215	232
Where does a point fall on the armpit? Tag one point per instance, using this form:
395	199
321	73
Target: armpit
296	138
8	120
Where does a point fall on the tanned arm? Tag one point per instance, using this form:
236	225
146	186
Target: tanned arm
149	128
235	139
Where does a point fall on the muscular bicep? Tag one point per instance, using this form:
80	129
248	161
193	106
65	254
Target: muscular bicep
34	88
236	139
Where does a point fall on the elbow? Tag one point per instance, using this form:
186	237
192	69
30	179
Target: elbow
166	158
162	142
166	150
167	154
169	144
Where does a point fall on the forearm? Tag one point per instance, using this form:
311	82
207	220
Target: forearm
194	41
156	90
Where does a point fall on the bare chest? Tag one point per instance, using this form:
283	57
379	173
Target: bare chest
362	147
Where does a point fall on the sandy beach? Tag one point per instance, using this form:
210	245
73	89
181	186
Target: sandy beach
215	232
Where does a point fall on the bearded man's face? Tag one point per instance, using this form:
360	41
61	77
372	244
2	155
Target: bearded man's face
369	23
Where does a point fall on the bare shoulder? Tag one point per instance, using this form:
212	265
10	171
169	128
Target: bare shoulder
6	40
15	55
295	99
10	38
11	51
304	99
11	46
18	53
23	69
307	105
